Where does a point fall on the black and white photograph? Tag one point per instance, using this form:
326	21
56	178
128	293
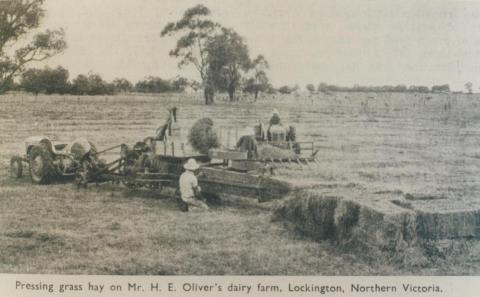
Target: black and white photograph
240	138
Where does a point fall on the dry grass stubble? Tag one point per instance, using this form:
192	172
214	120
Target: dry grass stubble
110	230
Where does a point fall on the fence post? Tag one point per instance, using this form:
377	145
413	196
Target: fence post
228	139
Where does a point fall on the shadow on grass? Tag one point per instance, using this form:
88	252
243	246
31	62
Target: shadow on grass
136	269
7	181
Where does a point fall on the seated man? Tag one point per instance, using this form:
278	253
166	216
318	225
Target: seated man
276	132
275	119
189	189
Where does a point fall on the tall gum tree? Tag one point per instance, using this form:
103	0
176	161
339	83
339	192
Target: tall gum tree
228	60
258	82
194	30
17	19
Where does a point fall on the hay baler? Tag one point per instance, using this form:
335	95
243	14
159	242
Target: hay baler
145	166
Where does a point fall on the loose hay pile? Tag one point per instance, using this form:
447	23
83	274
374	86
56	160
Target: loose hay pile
266	151
203	136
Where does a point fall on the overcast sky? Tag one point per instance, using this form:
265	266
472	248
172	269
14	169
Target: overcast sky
368	42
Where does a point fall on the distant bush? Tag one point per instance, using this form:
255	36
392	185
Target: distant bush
159	85
55	81
91	84
441	88
418	89
285	90
326	88
47	80
122	85
310	88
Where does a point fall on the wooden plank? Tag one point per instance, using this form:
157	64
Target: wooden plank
245	165
152	180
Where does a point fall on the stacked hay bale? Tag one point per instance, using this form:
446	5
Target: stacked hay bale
374	224
203	136
383	229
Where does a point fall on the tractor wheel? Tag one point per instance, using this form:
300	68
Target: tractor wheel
16	167
42	169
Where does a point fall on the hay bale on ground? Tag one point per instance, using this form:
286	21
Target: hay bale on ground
203	136
379	227
376	223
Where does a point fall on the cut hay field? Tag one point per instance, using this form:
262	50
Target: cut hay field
370	144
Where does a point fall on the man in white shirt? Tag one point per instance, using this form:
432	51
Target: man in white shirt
189	188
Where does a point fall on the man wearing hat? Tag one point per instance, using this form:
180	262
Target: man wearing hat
189	188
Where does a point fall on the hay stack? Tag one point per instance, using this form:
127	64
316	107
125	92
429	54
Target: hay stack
375	223
203	136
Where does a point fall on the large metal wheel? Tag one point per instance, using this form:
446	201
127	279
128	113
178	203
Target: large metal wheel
42	169
16	167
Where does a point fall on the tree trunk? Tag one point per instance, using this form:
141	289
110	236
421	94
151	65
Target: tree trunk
209	94
3	86
256	95
231	94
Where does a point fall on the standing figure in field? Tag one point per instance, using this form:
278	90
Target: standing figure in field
165	131
189	189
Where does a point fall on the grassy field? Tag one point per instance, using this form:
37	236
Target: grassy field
370	144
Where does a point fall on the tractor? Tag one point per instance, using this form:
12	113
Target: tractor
49	161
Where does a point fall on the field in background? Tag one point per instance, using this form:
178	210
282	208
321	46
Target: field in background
370	144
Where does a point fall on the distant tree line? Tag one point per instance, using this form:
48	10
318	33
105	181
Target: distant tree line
56	81
324	87
158	85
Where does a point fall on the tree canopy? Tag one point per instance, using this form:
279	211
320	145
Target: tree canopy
47	80
228	58
194	30
259	81
469	87
220	55
91	84
310	88
122	85
17	19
